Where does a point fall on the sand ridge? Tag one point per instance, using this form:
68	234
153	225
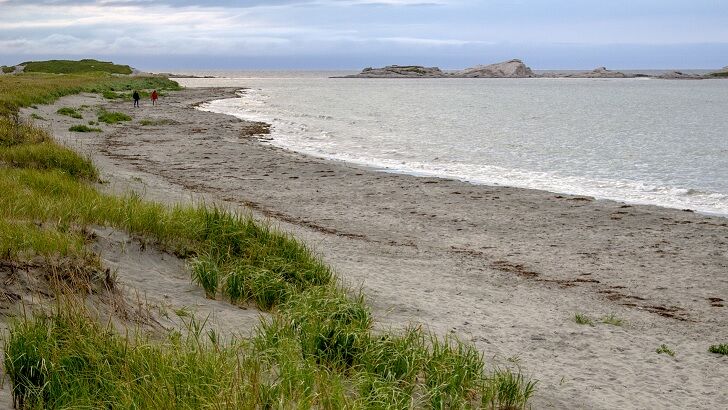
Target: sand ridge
506	268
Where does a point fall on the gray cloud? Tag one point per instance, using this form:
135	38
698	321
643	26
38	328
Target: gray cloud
464	32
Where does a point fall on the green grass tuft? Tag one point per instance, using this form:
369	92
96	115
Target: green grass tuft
84	128
720	349
71	112
612	319
330	326
206	273
665	349
113	95
508	390
7	69
452	373
583	319
112	117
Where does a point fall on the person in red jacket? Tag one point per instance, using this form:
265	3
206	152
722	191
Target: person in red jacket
155	96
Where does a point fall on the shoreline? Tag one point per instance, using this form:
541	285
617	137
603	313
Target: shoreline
504	267
665	189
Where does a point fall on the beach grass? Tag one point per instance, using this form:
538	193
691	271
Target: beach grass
666	350
68	359
70	112
582	319
719	349
14	131
83	128
317	349
113	95
612	319
49	155
319	330
112	117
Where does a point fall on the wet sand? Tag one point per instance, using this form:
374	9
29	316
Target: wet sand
505	268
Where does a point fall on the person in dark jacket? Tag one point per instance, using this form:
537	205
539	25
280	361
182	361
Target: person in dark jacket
136	97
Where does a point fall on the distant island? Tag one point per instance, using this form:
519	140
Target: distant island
516	69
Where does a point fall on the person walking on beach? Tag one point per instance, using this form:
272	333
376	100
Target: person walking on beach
136	97
154	97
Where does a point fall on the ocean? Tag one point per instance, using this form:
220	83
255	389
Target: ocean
642	141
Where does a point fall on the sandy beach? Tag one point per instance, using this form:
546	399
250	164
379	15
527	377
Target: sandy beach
505	268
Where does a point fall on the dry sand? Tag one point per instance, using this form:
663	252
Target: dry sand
505	268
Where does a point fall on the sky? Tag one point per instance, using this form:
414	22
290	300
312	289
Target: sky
351	34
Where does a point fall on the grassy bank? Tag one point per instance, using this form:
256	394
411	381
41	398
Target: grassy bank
318	349
75	67
26	90
319	330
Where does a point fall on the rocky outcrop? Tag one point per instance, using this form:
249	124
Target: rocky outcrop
517	69
679	75
600	72
400	71
508	69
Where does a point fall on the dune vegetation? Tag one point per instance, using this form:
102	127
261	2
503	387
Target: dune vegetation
318	348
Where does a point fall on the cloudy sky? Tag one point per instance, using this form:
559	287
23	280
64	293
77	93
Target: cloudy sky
350	34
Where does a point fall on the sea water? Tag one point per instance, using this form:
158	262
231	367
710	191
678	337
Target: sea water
660	142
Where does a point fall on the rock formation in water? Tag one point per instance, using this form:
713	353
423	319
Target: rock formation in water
399	71
507	69
600	72
516	69
679	75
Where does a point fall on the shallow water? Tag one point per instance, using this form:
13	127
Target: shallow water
657	142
